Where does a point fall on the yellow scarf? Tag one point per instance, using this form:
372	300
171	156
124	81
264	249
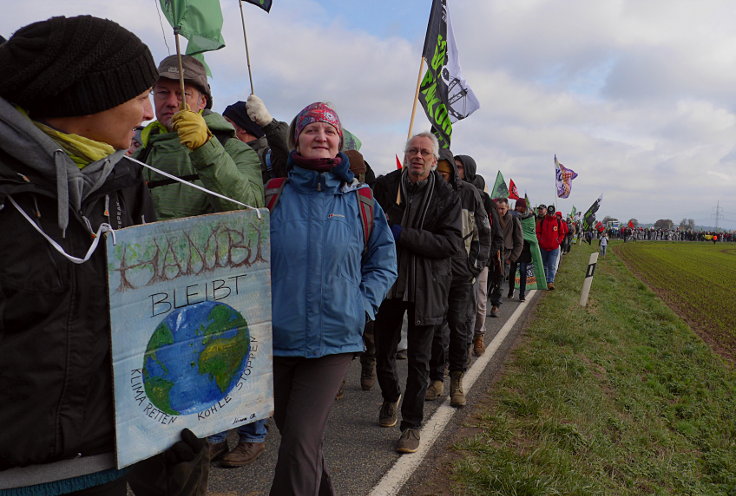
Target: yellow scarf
83	151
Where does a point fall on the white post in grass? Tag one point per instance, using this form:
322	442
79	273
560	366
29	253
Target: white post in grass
588	278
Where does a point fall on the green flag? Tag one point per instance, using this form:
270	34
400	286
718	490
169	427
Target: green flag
199	21
499	188
535	278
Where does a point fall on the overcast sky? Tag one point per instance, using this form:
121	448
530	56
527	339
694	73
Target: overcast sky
638	97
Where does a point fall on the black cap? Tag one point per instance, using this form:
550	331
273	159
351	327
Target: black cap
70	66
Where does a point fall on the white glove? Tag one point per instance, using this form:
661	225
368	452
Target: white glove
257	111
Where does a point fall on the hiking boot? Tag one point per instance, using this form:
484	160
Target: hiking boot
340	392
478	346
494	311
367	375
387	414
550	286
434	390
409	441
457	395
243	454
217	450
522	297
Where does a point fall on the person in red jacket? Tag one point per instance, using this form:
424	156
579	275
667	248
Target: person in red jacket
550	235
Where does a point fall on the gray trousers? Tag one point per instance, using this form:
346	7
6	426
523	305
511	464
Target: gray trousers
304	391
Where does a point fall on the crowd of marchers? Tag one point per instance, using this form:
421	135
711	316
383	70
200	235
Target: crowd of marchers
352	258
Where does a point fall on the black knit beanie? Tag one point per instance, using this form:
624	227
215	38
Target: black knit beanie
65	67
236	113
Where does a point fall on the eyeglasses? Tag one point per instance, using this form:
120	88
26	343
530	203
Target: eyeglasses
422	151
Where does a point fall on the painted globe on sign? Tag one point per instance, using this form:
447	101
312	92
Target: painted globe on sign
195	357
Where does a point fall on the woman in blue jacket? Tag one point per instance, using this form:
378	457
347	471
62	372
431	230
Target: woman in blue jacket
327	279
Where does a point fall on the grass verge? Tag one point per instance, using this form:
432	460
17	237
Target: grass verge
620	397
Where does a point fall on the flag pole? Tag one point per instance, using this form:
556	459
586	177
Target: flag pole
183	105
416	98
247	53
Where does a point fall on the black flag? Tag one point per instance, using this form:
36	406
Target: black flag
443	92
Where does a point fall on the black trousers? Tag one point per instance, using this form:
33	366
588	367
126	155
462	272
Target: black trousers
452	338
387	334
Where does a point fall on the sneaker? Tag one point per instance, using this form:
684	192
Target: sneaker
522	297
387	414
409	441
494	311
217	450
434	390
401	355
550	286
478	346
510	295
243	454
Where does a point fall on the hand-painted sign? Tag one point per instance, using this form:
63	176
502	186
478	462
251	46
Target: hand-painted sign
190	312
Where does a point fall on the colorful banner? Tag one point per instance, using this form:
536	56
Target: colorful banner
513	190
535	278
443	93
190	313
563	179
499	187
199	21
264	4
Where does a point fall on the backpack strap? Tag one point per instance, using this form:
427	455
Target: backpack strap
274	188
365	207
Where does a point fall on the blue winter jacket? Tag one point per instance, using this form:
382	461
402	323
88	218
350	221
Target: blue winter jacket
324	285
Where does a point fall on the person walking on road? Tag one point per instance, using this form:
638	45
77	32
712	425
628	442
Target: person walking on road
424	214
328	275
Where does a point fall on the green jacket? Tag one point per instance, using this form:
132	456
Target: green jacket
232	170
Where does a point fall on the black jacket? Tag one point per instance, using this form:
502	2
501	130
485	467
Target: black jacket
477	180
429	248
55	367
476	230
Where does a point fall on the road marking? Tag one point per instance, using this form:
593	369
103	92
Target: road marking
397	476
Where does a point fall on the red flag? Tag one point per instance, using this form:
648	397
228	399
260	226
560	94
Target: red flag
599	226
513	190
398	162
631	224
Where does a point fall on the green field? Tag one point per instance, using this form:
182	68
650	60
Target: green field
697	279
618	398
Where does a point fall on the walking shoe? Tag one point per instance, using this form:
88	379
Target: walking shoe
510	295
435	389
409	441
401	355
522	297
243	454
457	395
217	450
367	375
387	414
478	346
494	311
550	285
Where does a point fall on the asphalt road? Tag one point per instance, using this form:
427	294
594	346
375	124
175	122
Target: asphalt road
357	451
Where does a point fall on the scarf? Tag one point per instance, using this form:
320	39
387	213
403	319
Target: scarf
336	165
83	151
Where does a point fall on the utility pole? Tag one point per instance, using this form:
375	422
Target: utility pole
718	213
